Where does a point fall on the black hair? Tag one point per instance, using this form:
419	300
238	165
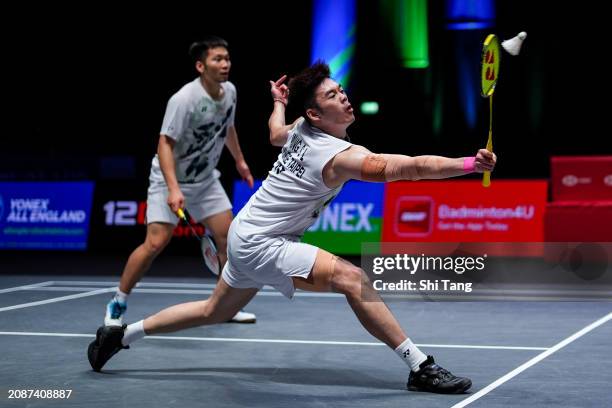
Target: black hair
302	87
199	49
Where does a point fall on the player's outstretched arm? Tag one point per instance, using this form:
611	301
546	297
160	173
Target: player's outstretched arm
359	163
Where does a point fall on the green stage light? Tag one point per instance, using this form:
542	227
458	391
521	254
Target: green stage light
369	108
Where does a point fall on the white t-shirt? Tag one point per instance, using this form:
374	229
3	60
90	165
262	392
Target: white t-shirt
294	194
199	126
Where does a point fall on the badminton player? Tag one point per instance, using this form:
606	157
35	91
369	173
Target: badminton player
264	238
199	121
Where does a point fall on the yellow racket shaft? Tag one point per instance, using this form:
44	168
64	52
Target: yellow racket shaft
486	176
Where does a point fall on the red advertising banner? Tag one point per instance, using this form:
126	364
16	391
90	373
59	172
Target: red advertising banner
464	211
581	178
578	221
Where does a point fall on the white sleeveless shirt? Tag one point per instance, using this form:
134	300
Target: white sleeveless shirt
293	195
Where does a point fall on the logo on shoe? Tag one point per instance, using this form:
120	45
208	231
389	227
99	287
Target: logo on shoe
414	216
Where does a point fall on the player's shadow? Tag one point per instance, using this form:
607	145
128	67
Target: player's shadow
284	375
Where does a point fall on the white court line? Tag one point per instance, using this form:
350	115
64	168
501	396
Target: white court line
298	293
518	295
147	284
281	341
533	361
46	334
57	299
272	293
462	346
26	287
60	289
140	284
185	291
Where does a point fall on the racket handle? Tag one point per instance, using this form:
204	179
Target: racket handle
486	176
486	179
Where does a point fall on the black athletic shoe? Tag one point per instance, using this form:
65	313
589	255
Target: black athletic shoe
433	378
106	345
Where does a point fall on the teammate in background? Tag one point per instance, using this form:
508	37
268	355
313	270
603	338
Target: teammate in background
264	239
199	121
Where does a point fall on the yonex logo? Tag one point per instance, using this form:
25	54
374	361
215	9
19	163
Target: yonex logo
345	217
406	353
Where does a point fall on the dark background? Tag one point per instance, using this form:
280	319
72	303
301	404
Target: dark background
85	87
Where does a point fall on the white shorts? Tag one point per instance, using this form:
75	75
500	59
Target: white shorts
201	200
255	261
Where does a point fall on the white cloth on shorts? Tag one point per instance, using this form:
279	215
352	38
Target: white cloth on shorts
257	261
263	241
201	200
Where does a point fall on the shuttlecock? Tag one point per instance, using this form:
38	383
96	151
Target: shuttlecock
513	45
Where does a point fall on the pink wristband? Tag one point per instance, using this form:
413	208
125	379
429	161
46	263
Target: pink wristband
469	164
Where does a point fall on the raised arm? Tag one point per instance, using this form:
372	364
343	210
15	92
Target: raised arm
359	163
276	123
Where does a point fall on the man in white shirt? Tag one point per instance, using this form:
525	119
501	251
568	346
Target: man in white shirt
264	239
198	122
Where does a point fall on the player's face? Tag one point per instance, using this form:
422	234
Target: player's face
334	106
217	64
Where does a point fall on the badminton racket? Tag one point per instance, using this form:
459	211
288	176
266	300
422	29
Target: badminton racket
207	246
489	74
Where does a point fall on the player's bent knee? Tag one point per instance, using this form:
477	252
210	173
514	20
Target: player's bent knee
215	316
213	312
155	244
347	279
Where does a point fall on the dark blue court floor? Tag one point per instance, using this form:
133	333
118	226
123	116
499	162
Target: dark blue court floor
307	352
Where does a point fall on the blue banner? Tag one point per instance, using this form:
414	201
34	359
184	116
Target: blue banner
355	216
242	194
45	215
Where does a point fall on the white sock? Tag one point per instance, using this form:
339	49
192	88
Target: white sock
121	296
133	332
410	354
